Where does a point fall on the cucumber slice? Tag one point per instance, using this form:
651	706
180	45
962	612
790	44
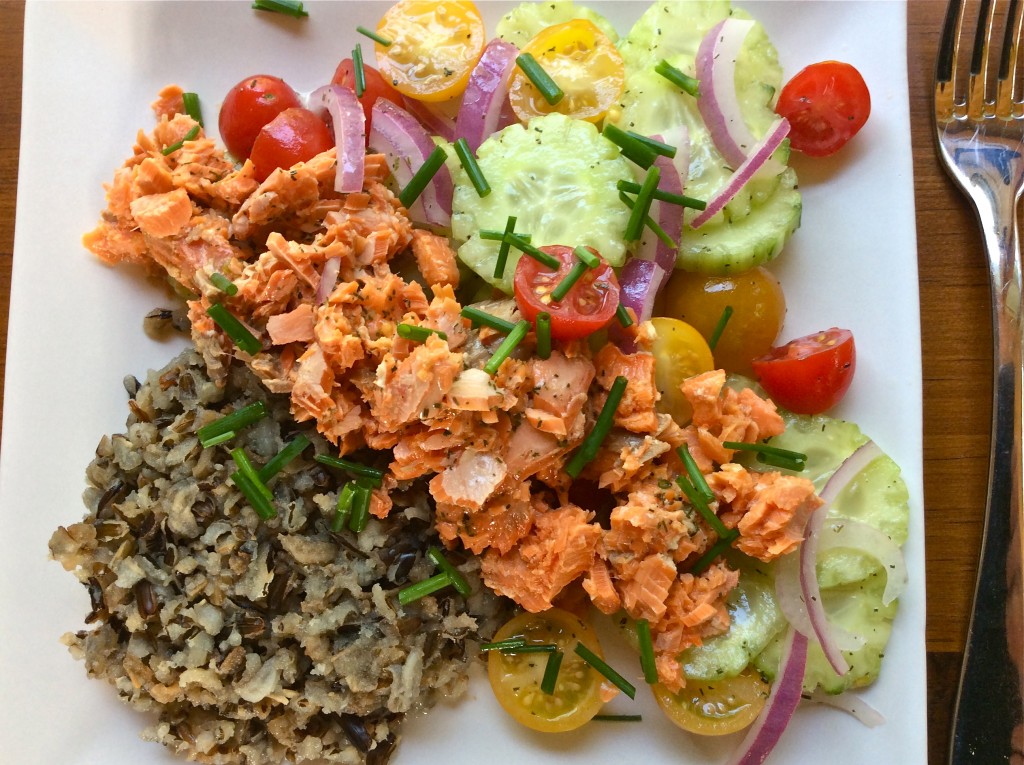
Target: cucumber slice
522	23
558	177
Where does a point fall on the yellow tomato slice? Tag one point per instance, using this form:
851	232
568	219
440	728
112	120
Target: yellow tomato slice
680	351
715	708
516	677
434	46
582	61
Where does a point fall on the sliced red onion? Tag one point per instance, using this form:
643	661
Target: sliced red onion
761	153
485	93
668	216
718	102
790	598
398	135
778	710
433	119
328	279
850	703
348	121
864	538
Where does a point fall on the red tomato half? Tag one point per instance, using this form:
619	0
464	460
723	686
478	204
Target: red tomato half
810	374
588	306
249	106
376	87
826	104
294	135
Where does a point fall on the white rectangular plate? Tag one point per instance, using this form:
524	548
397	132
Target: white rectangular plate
91	71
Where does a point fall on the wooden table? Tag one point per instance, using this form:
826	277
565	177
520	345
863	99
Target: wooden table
956	340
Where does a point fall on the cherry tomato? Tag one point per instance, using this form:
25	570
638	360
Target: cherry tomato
582	61
434	46
588	306
249	106
680	352
810	374
295	135
826	104
715	708
516	677
376	87
758	309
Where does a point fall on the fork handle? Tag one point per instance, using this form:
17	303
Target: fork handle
988	726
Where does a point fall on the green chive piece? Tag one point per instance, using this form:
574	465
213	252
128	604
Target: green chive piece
657	146
638	215
550	679
501	645
635	151
220	439
278	462
643	634
477	316
544	335
469	164
421	589
233	328
503	248
623	316
231	423
191	135
587	256
356	468
709	557
344	508
663	196
540	79
191	103
594	439
501	236
716	334
422	177
417	333
532	648
359	70
702	506
289	7
569	280
360	509
793	460
678	78
517	241
248	482
222	283
514	338
458	580
374	36
602	667
652	224
618	718
696	477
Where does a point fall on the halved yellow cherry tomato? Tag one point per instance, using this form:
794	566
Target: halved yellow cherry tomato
434	46
582	61
516	677
680	351
717	707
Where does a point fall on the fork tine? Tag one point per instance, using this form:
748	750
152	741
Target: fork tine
1009	97
981	89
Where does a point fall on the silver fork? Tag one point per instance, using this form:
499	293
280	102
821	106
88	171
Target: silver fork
979	120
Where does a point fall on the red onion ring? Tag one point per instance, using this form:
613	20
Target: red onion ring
432	118
348	121
328	279
639	281
850	703
485	93
717	102
860	536
790	598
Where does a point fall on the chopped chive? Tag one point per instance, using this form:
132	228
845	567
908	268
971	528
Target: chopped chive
501	645
643	634
426	587
602	667
550	679
219	439
618	718
652	224
289	7
351	466
231	423
221	282
422	177
588	449
716	334
360	508
540	79
469	164
344	507
190	101
477	316
517	241
277	463
374	36
702	506
657	146
191	135
622	314
514	338
709	557
359	70
678	78
544	335
417	333
248	482
635	151
532	648
503	248
696	477
765	453
587	256
663	196
638	215
501	236
569	280
458	580
233	328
